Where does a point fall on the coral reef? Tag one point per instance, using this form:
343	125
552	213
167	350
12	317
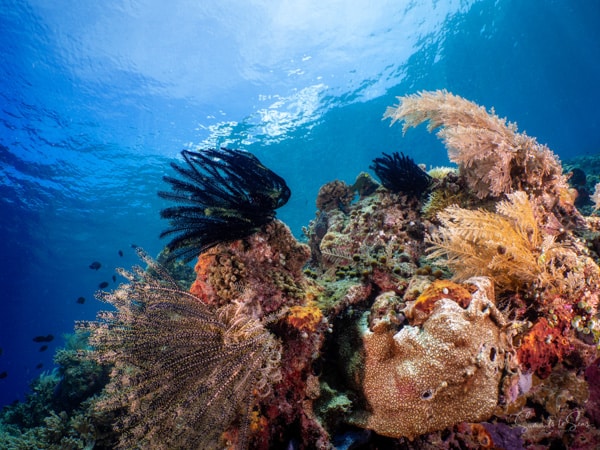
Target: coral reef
335	194
58	414
468	319
224	195
364	185
264	275
263	271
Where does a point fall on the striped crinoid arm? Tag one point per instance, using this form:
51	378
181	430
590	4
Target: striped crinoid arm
183	371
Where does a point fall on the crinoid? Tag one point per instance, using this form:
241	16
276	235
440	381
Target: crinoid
183	372
224	195
399	173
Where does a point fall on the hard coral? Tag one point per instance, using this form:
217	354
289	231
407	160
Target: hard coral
426	378
334	195
224	195
377	241
263	271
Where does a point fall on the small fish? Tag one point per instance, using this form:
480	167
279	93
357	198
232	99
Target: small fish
39	366
48	338
134	246
1	351
121	253
81	300
103	285
95	265
114	277
3	375
43	348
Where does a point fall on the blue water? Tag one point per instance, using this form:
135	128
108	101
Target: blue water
98	97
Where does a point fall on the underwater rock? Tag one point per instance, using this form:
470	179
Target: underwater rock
429	377
263	271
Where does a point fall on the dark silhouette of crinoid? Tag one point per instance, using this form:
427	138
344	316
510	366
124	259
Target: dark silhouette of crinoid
399	173
224	195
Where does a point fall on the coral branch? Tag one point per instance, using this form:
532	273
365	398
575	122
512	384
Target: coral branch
492	156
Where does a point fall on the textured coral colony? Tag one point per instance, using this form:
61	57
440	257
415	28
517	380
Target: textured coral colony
449	308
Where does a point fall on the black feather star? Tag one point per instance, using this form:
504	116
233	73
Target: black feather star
400	174
224	195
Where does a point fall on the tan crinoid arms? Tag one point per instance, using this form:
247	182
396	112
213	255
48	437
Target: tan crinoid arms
492	156
508	246
183	371
595	197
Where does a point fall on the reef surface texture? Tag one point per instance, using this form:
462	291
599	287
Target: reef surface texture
444	371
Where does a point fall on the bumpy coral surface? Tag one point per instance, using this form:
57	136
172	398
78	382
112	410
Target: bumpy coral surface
425	378
263	271
333	195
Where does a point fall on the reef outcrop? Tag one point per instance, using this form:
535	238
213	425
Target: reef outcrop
468	319
432	375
